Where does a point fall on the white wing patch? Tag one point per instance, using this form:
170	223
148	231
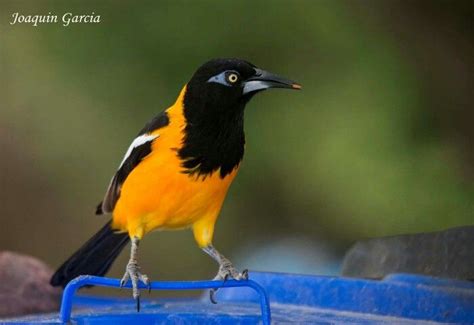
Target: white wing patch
138	141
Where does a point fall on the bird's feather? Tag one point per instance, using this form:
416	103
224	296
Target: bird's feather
137	151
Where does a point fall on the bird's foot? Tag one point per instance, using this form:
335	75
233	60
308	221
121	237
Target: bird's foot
227	271
132	272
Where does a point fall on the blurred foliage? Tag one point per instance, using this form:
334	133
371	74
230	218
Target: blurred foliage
379	142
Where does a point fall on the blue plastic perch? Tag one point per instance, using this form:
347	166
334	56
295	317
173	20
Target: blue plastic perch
85	280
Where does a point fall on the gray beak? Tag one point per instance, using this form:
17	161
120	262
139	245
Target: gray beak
263	80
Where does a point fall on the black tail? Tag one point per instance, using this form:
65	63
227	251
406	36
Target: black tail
94	258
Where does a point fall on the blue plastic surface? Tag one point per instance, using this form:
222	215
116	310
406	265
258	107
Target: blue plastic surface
302	299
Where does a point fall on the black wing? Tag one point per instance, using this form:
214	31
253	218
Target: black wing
139	149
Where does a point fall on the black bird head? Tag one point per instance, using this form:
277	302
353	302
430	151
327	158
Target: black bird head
214	104
224	84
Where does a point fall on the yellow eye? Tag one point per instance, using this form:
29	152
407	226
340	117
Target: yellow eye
232	77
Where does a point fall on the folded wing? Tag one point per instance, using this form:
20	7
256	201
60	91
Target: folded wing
140	147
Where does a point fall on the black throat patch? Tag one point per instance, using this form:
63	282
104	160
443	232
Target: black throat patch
214	133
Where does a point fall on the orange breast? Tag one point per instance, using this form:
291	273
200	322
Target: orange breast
158	195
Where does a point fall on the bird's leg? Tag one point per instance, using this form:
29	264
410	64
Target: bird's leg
226	269
132	272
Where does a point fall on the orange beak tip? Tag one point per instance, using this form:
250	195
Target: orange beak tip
296	86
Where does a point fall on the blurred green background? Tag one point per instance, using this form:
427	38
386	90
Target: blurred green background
379	142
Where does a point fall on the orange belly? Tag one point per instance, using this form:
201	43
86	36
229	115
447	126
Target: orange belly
156	195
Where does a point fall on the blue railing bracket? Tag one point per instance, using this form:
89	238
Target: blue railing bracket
87	280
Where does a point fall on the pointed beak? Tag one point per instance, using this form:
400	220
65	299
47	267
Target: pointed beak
263	80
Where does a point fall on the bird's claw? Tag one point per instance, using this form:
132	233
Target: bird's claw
226	271
132	272
212	292
245	274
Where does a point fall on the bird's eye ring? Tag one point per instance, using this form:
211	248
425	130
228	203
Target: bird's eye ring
232	77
